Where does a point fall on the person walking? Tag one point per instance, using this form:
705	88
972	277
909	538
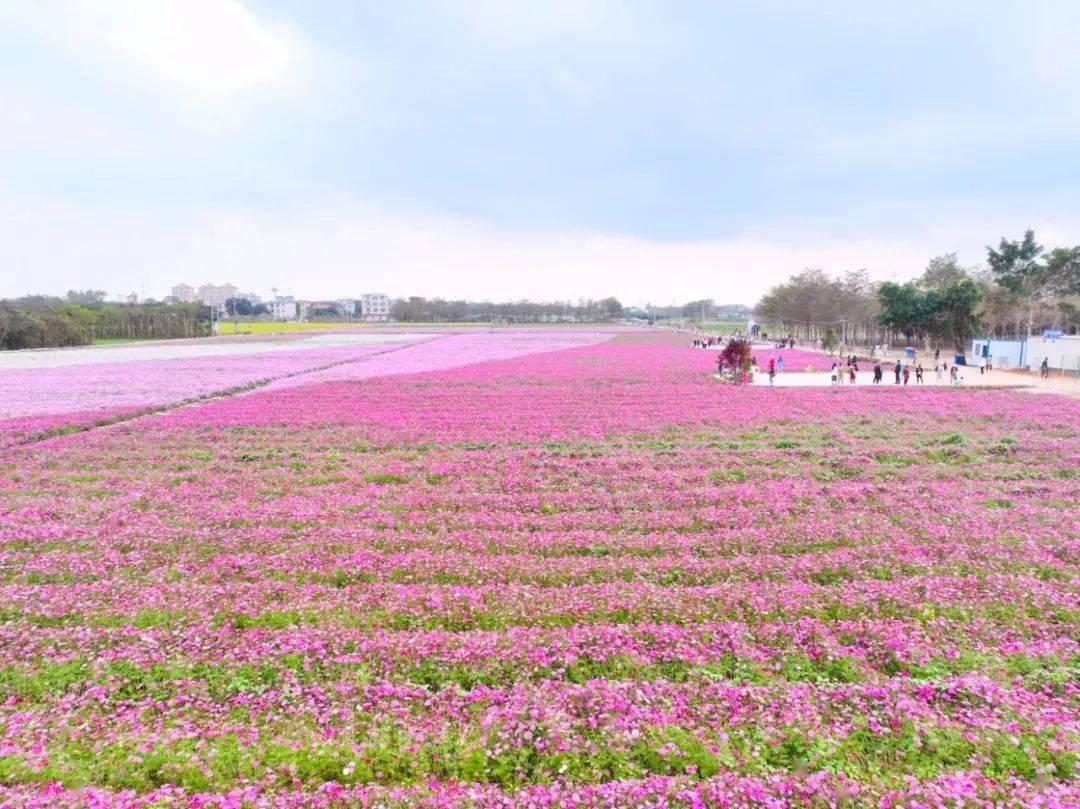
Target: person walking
779	365
897	371
877	373
939	372
919	373
1044	368
907	373
954	375
833	373
852	371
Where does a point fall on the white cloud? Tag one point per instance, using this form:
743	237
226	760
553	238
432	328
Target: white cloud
201	48
510	24
343	246
1051	35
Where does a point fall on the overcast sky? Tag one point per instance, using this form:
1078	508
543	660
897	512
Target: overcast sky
557	149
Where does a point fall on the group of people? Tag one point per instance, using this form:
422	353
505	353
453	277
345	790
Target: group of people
714	340
719	341
848	371
902	372
776	366
839	372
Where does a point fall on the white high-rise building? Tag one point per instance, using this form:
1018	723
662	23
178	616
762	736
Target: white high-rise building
215	296
374	307
183	293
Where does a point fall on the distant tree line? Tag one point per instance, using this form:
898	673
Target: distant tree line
811	302
83	316
439	310
703	308
242	307
1022	286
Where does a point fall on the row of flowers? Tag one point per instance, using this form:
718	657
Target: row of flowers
41	401
580	575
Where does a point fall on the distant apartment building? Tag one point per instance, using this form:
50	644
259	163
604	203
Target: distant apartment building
347	307
283	308
215	296
374	307
183	293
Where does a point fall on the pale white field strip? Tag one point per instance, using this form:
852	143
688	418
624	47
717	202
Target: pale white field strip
186	349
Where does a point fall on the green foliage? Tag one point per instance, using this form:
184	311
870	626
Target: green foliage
727	475
945	310
942	272
44	327
1015	265
952	311
48	679
830	341
385	478
1025	270
82	318
1063	270
903	308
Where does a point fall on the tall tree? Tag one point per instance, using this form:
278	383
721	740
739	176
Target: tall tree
941	272
1036	286
904	308
85	296
1015	264
611	307
953	311
1063	270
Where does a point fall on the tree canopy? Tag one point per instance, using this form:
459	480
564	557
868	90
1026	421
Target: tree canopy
1022	283
941	304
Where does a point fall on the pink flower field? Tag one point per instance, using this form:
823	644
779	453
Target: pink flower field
795	359
42	400
539	568
38	402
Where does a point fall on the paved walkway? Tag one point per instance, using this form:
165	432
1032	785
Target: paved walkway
970	377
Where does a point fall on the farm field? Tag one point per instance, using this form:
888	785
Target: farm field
280	327
48	392
290	327
536	568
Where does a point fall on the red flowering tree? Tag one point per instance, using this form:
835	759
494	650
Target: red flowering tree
736	355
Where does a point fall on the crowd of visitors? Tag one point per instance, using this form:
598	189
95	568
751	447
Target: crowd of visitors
846	371
902	372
